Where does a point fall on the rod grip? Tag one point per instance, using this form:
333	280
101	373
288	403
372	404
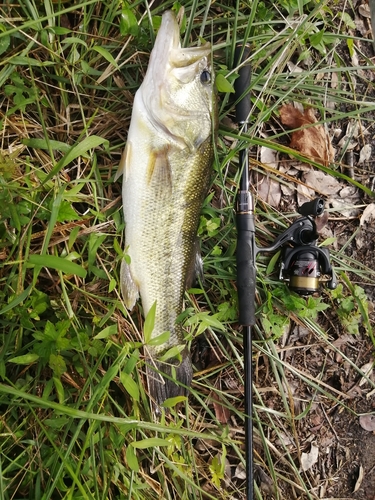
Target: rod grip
242	84
246	271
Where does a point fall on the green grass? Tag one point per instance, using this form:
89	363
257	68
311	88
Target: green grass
68	427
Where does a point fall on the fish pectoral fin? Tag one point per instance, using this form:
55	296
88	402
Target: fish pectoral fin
159	169
129	289
124	162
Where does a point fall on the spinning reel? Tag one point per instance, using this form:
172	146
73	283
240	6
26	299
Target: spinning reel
304	263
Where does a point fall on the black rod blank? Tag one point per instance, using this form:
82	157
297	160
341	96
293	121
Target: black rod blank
245	256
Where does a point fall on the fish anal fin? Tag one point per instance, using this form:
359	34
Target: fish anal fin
125	162
159	168
129	289
195	269
168	379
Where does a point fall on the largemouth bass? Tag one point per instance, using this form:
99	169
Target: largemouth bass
166	166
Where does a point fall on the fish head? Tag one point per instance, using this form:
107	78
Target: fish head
177	90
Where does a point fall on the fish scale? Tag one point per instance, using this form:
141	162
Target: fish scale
166	166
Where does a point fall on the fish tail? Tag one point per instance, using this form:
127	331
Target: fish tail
168	380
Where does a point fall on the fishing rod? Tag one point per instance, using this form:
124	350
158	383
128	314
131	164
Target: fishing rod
245	256
303	264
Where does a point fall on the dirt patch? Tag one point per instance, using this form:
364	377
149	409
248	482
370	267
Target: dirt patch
355	454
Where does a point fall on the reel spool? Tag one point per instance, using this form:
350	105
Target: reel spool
304	267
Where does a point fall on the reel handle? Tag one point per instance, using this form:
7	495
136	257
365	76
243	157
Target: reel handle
313	208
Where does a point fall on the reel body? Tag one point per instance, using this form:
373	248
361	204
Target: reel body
303	264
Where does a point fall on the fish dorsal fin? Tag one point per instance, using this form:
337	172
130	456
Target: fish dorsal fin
124	162
158	168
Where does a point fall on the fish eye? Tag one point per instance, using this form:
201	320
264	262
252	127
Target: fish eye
205	77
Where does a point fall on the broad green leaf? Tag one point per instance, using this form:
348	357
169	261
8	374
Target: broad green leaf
131	458
117	248
149	323
15	302
348	20
59	30
106	332
204	319
328	241
66	212
150	443
57	364
104	53
110	374
272	263
132	361
73	40
58	263
112	285
26	359
59	389
44	144
130	385
80	149
95	241
57	422
316	38
73	236
160	339
171	402
173	352
4	43
350	44
128	22
222	84
28	61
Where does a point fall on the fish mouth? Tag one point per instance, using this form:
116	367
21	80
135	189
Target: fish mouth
172	93
167	40
168	53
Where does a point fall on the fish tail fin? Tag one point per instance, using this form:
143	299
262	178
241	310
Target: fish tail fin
168	380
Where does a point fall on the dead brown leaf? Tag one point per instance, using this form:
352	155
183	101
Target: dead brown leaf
309	459
361	474
367	422
312	141
269	191
221	412
322	183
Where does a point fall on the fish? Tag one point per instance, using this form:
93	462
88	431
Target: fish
166	168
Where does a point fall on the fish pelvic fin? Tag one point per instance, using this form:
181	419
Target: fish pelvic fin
168	379
129	289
